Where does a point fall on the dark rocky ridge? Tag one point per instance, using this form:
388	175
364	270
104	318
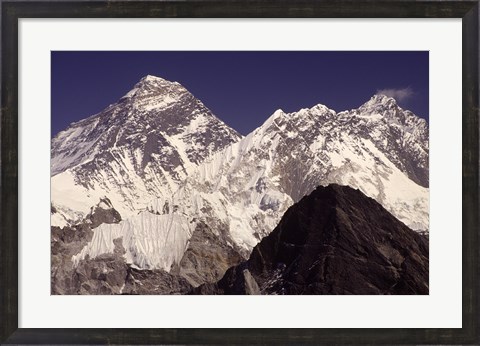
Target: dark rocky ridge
66	242
208	256
99	215
333	241
158	281
101	275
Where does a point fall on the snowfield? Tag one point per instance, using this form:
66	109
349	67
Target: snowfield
167	163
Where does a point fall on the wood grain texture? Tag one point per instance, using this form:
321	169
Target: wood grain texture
13	10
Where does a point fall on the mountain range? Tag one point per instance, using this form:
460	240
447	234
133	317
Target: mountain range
164	186
333	241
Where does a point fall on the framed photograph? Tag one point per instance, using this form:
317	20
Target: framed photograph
228	172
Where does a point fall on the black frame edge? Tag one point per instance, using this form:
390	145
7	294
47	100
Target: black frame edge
9	175
11	11
470	175
242	8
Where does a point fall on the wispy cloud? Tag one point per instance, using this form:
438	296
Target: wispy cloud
398	94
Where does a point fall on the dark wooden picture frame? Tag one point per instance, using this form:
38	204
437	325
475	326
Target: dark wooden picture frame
13	10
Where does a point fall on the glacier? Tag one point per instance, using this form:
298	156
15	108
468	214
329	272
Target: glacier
167	163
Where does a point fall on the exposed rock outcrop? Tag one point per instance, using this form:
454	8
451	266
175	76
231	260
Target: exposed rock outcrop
208	256
103	212
333	241
155	281
107	273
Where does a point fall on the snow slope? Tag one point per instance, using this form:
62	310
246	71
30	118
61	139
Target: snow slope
286	158
136	149
199	170
150	241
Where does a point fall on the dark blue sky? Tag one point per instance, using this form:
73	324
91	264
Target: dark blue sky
241	88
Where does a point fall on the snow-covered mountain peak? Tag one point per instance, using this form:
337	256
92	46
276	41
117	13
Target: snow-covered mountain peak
321	108
151	87
381	99
136	149
379	104
151	78
389	108
166	166
276	115
385	109
318	112
280	120
157	82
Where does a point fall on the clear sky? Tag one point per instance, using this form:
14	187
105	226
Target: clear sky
241	88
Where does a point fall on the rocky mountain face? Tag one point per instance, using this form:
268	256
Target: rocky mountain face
379	148
188	197
333	241
68	241
136	149
107	273
206	258
398	133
